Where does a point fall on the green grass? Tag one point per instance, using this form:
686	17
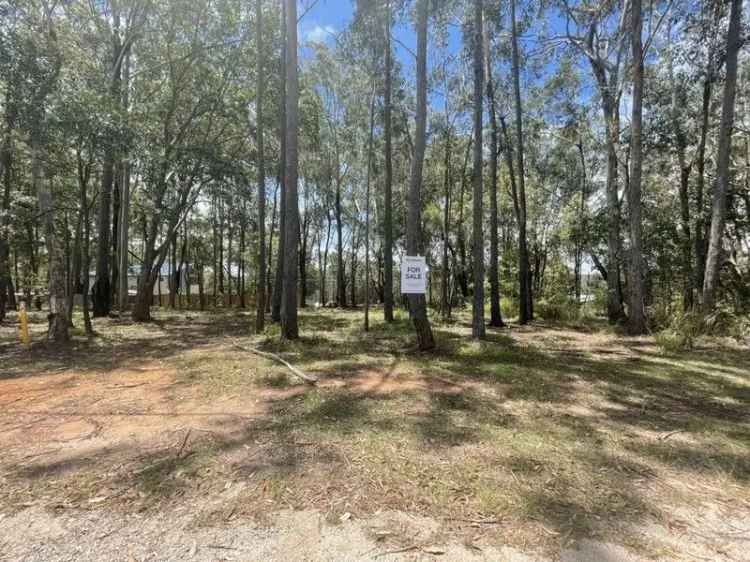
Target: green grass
561	430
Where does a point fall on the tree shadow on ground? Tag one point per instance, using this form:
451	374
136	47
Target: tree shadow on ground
573	440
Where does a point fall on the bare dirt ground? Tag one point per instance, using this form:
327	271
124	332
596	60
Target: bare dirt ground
166	442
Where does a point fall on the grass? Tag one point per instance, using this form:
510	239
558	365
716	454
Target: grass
559	431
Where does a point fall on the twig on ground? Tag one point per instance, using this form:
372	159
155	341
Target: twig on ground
309	379
477	521
184	442
398	550
670	434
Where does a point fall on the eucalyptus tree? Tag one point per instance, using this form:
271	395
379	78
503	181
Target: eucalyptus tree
636	309
119	25
721	187
45	62
261	165
417	303
601	34
496	319
289	327
183	137
477	318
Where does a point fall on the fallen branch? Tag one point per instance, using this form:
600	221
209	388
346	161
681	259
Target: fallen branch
476	521
398	550
670	434
309	379
184	442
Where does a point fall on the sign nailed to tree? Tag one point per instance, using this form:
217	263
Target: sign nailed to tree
413	275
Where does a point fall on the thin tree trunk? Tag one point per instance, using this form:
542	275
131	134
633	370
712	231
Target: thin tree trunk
524	270
269	268
260	317
637	312
721	188
289	327
417	304
477	317
102	294
367	211
6	165
677	102
278	284
83	179
388	198
124	207
496	319
463	277
445	305
340	272
58	315
700	246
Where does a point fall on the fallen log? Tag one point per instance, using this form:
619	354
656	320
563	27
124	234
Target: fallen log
309	379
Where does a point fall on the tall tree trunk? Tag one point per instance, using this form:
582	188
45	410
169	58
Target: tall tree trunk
388	197
84	173
445	304
289	328
677	102
637	312
6	166
496	319
58	315
278	282
463	276
582	224
102	293
526	313
367	210
417	303
341	269
260	315
700	246
324	262
477	317
721	188
230	234
269	268
124	206
174	275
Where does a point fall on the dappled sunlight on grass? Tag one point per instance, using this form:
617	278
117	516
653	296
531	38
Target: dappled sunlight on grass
557	431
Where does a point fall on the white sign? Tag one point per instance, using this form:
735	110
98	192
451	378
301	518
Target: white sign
414	275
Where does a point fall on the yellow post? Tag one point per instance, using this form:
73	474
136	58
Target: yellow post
23	328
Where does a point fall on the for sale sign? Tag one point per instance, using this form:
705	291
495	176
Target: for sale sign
414	275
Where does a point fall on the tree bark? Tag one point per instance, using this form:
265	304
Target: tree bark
340	269
388	196
477	317
367	210
637	312
721	188
417	303
124	207
280	252
6	165
102	293
700	246
445	304
260	314
289	327
526	313
678	101
57	330
496	319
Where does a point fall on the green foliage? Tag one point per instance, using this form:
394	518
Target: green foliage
558	308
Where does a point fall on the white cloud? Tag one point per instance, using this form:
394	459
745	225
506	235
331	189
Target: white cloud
320	33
